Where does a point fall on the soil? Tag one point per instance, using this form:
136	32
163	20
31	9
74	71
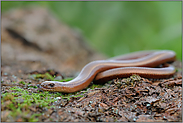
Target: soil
133	99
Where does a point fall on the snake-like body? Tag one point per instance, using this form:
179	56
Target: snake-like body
140	63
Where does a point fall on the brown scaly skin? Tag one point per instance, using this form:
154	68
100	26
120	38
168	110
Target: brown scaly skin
104	70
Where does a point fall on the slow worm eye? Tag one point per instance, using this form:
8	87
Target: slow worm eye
51	84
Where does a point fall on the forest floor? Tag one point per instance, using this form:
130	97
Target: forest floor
133	99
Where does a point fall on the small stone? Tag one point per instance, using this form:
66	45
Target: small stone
58	98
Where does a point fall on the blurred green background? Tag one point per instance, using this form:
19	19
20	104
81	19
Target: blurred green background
115	28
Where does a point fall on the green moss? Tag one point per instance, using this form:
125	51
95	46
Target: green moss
95	86
36	76
48	76
22	82
64	80
135	77
33	119
42	76
22	99
16	89
32	86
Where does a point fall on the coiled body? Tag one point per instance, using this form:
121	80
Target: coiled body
103	70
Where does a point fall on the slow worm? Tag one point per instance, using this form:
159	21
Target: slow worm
140	63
